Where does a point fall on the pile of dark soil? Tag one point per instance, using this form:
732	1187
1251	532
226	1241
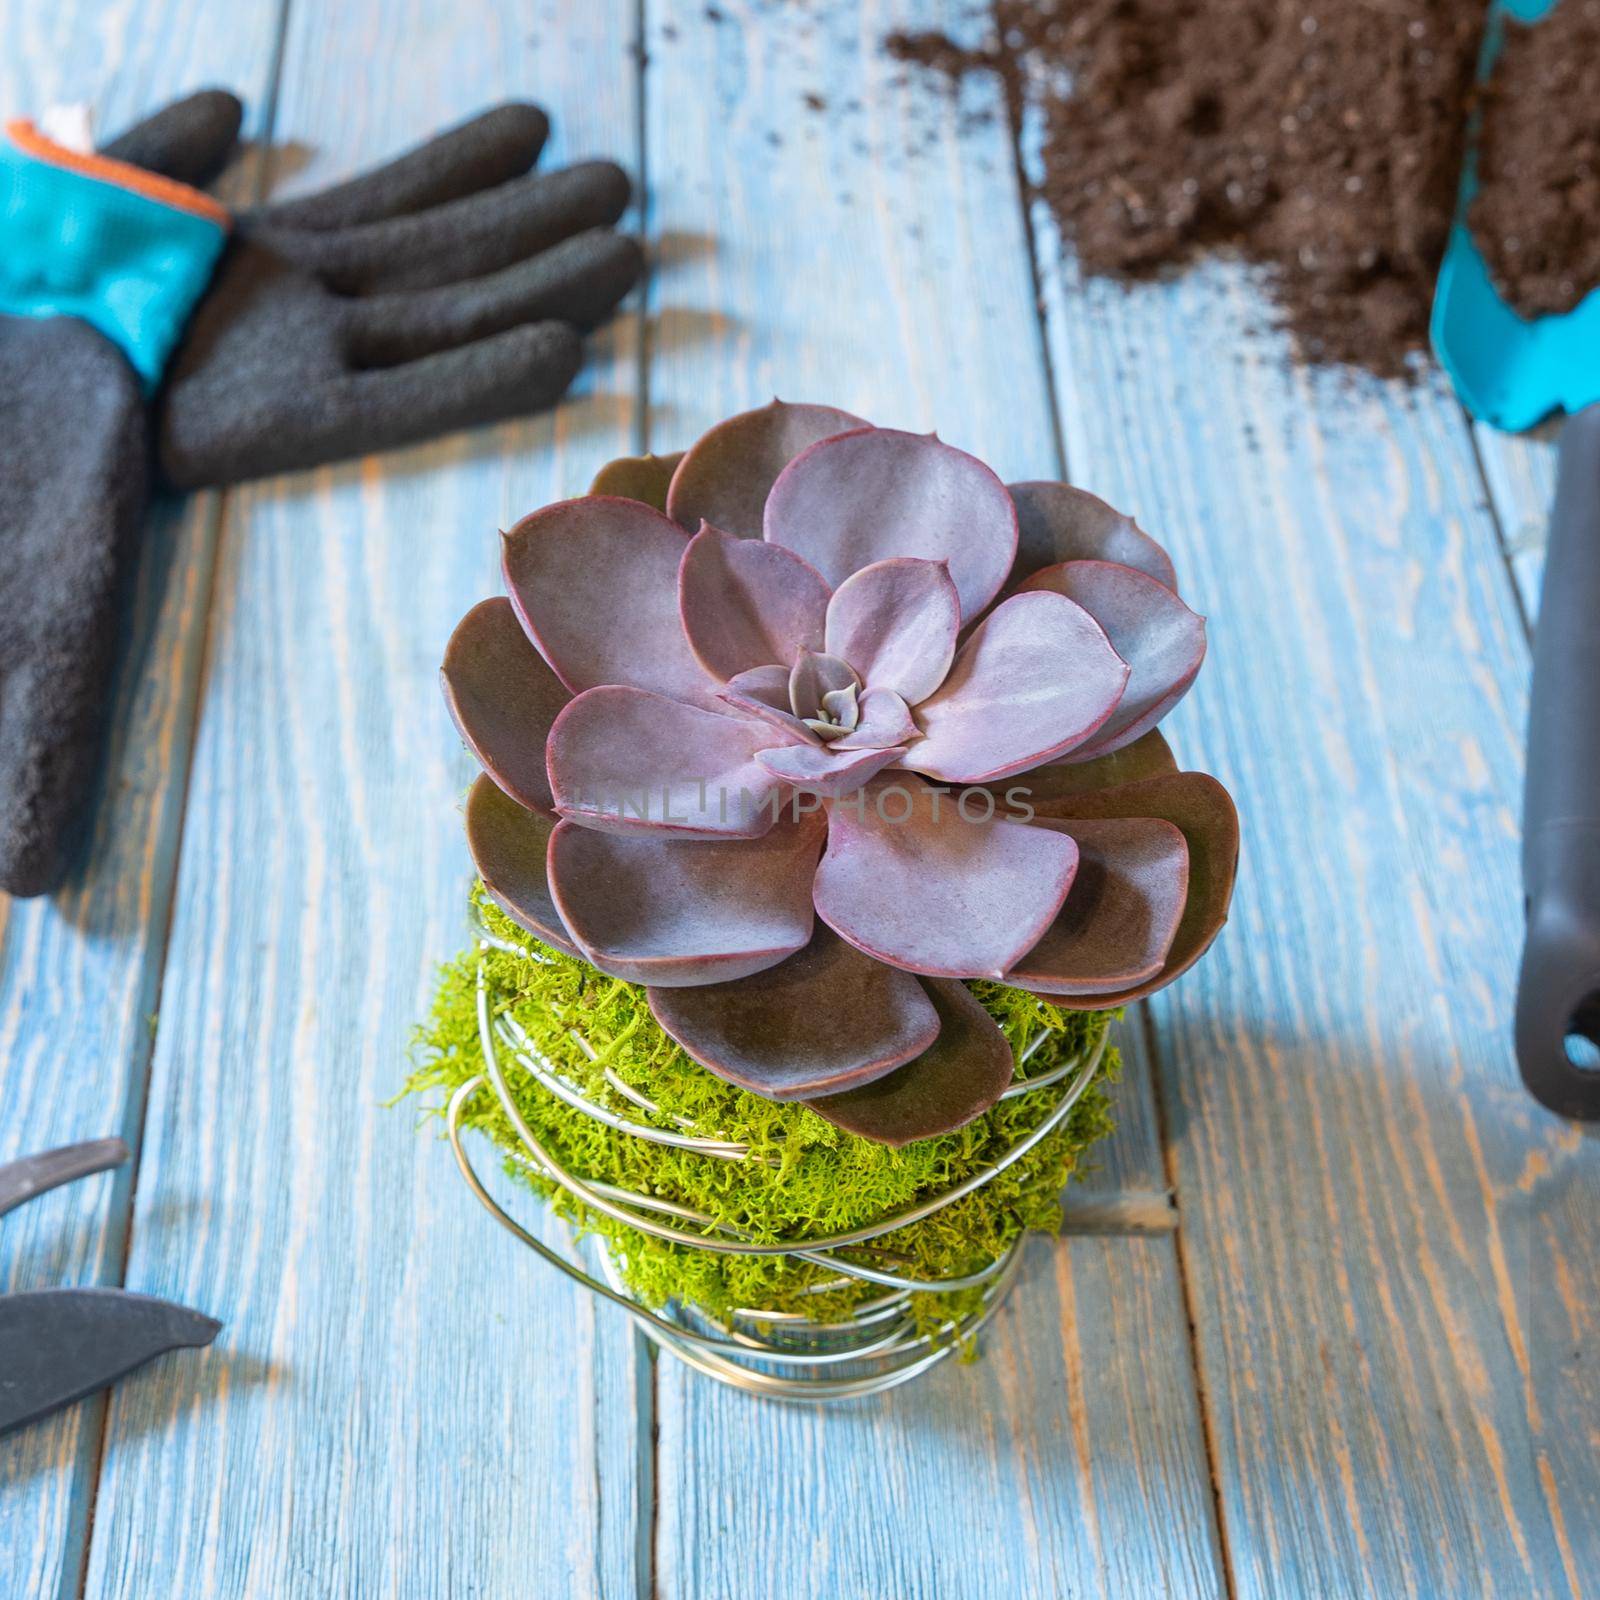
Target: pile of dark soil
1321	139
1537	216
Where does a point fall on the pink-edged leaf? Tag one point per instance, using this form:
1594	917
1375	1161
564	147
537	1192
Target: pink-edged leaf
747	604
841	708
509	847
642	478
1146	757
884	720
503	697
764	692
595	582
1160	638
671	912
766	687
816	769
1058	523
1119	920
725	476
624	760
814	676
956	1079
1198	805
932	882
896	622
1036	679
863	497
825	1020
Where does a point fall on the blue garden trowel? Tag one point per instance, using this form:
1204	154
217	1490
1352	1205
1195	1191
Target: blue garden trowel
1512	372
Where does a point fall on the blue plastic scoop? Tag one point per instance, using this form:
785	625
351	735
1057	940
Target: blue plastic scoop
1507	370
1513	372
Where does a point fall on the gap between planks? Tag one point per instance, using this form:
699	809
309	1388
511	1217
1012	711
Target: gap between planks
646	1381
257	187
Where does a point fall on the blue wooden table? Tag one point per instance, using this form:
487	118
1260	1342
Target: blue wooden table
1325	1322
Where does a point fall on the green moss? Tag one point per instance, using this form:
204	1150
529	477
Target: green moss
814	1178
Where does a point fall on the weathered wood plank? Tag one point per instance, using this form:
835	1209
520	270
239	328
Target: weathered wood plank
864	252
79	972
1062	1463
402	1402
1380	1229
1520	471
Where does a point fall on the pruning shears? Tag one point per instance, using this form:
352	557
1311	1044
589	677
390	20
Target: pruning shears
59	1345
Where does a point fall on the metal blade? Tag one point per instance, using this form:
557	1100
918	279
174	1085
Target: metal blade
58	1345
21	1180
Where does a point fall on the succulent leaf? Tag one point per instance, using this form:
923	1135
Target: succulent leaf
641	478
1057	523
909	879
764	692
825	1020
883	720
503	697
1199	805
896	622
767	687
1036	678
624	760
842	707
747	604
957	1078
1160	638
863	497
668	912
1146	757
595	582
509	847
826	770
725	476
1118	922
812	677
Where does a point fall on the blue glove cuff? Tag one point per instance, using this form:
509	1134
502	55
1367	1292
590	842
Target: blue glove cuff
123	249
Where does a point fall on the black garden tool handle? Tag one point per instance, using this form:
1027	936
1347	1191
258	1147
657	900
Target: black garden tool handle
1558	996
21	1180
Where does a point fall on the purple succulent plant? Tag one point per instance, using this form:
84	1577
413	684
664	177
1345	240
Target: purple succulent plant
804	727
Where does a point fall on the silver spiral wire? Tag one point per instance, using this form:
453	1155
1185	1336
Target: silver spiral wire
780	1354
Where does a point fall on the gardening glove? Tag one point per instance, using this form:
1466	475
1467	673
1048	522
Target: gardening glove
98	270
442	291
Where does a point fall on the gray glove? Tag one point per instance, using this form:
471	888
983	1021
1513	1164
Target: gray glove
442	291
439	292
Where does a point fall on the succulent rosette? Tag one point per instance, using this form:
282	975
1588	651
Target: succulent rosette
806	726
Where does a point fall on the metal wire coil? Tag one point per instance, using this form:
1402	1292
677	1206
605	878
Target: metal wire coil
781	1354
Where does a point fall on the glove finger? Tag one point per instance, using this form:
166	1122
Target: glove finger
508	375
462	239
501	144
190	140
579	281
